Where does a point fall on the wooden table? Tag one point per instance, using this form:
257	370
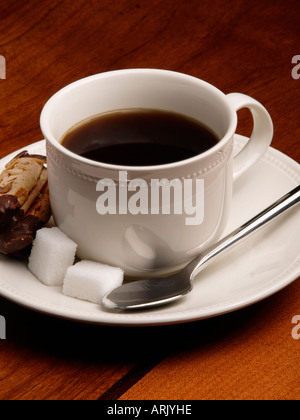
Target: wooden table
236	45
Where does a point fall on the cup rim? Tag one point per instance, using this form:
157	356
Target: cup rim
49	105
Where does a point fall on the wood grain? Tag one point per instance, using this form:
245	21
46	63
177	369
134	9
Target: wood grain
245	356
235	45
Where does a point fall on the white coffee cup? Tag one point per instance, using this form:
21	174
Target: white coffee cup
157	242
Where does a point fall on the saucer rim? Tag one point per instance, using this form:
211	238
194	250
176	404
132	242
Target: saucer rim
97	315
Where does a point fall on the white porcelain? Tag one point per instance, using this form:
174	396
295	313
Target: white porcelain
258	268
147	244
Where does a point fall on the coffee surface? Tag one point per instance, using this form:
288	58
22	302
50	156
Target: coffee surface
139	137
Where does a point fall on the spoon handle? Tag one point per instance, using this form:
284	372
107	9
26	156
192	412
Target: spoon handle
284	203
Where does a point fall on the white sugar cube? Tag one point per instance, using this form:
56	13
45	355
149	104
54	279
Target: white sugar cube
91	281
52	254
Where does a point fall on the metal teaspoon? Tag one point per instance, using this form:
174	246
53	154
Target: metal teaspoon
159	291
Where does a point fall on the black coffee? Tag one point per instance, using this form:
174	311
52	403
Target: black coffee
139	137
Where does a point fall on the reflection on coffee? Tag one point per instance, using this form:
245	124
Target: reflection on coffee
139	137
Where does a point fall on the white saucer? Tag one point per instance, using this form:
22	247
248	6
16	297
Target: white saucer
264	264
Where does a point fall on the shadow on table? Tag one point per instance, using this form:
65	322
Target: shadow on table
66	339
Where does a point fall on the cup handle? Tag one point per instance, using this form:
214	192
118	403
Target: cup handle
260	138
